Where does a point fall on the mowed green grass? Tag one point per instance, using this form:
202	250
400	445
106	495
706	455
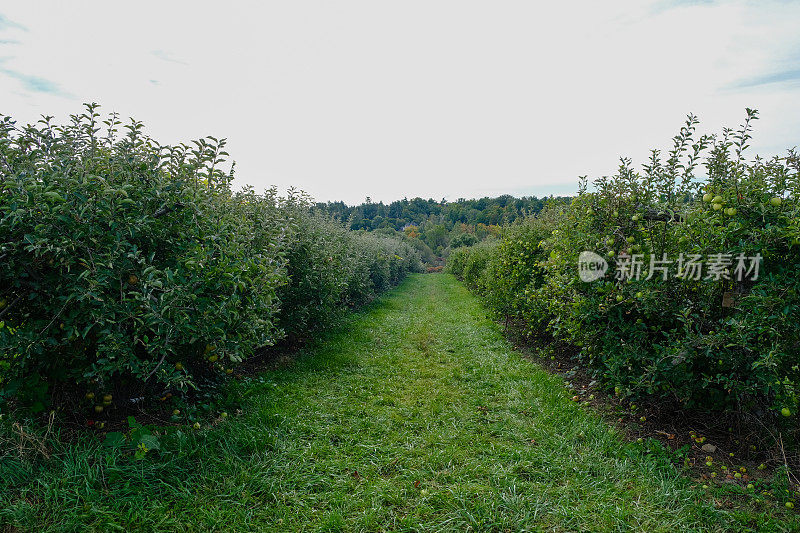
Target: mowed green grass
417	415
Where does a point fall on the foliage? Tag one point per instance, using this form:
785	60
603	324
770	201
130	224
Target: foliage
463	239
332	269
439	226
674	338
132	267
138	439
415	212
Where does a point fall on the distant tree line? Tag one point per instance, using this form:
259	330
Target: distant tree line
437	226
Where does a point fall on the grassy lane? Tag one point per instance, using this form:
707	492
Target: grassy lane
417	416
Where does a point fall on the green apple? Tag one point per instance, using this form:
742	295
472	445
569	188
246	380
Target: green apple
776	201
717	200
786	412
176	412
707	197
716	206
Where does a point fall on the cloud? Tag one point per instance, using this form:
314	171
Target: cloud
166	56
9	41
7	24
786	76
431	99
31	83
670	4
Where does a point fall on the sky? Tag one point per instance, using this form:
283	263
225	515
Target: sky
436	99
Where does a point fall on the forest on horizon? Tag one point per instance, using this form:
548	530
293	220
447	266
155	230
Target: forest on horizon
439	225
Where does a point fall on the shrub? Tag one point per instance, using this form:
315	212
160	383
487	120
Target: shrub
476	264
463	239
122	257
332	269
668	339
129	267
317	252
457	261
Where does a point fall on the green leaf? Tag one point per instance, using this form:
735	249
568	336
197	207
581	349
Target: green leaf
115	439
52	195
150	441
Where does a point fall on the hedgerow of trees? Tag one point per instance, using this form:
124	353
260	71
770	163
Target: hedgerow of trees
714	342
130	268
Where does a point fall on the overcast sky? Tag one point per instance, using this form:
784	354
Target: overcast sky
410	98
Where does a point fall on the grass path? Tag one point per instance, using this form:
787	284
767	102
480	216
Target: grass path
416	416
